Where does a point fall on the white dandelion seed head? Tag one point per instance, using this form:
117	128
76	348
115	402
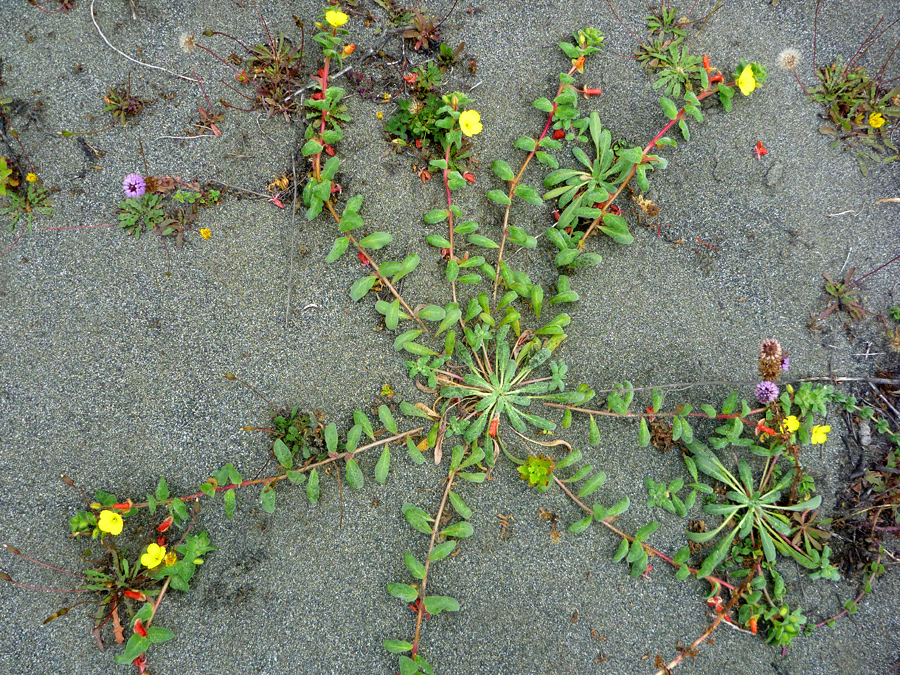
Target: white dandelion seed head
789	59
186	40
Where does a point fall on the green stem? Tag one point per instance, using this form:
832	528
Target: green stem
605	208
434	531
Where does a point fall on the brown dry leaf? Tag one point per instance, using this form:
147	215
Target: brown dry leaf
117	626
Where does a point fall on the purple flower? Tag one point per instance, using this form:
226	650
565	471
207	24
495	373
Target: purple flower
785	361
134	185
766	392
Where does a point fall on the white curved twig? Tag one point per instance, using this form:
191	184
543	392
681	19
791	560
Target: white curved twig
123	54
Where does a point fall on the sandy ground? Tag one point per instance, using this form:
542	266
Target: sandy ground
112	371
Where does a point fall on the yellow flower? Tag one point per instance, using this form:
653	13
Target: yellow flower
875	120
470	122
110	522
790	424
379	115
747	82
154	555
171	558
336	19
819	434
205	233
31	178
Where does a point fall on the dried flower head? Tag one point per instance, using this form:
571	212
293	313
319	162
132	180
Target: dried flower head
766	392
770	355
134	185
186	40
789	59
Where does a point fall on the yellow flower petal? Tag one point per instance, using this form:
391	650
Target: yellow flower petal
205	233
335	18
154	555
875	120
110	522
470	122
790	424
171	558
819	434
31	178
746	82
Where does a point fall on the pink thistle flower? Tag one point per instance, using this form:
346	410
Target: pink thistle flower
134	185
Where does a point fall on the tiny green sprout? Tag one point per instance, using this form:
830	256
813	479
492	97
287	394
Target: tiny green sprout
537	470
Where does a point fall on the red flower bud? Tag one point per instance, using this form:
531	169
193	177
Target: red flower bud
329	151
559	134
492	430
706	65
317	96
418	144
135	595
363	259
469	177
165	525
139	628
592	92
161	540
123	506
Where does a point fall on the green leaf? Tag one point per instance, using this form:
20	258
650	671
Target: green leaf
573	456
360	418
354	474
414	453
162	490
135	646
416	517
684	129
340	245
646	531
619	507
362	286
580	525
267	500
229	504
387	419
622	551
594	434
644	434
435	604
408	336
157	634
376	240
436	216
311	147
668	107
499	197
432	313
405	592
331	437
546	159
502	170
312	487
541	104
529	194
458	530
441	551
397	646
383	465
525	143
460	506
484	242
616	227
592	484
415	568
283	454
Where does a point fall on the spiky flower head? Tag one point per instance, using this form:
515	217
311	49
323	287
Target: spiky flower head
770	353
789	59
766	392
134	185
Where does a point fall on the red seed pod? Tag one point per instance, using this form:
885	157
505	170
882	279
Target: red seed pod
139	628
559	134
